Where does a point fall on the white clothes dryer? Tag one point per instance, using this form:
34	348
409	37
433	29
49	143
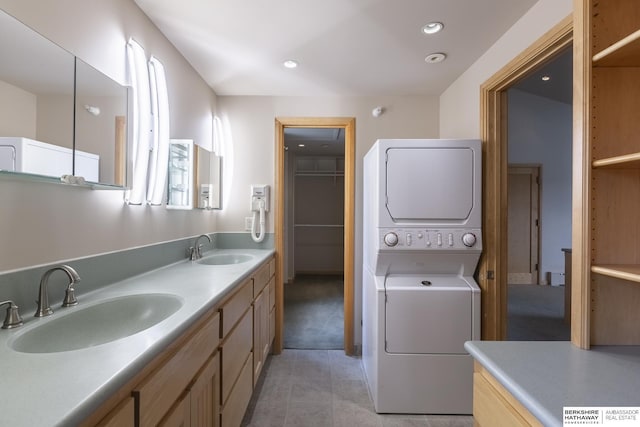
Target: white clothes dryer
422	241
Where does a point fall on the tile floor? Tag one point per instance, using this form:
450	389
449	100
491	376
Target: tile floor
324	388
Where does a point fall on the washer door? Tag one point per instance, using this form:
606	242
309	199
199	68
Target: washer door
429	183
433	319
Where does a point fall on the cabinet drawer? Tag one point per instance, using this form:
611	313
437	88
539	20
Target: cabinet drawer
272	293
234	351
260	279
233	411
163	387
233	309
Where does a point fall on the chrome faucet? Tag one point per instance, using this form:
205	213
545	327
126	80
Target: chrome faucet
196	250
12	319
43	297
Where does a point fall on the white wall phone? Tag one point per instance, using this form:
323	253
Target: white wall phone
259	205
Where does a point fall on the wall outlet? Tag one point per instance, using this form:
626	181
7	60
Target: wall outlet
248	222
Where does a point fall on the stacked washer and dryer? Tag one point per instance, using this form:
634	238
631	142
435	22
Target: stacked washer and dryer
422	242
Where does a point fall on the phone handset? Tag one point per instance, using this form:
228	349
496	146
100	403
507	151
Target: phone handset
259	206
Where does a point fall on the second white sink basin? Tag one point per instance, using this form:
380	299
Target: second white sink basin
98	324
225	259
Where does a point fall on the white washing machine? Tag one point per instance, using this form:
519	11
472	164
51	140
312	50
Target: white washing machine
422	241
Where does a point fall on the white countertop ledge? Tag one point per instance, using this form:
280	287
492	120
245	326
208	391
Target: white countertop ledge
546	376
62	389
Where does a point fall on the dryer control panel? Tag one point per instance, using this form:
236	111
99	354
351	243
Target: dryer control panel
430	239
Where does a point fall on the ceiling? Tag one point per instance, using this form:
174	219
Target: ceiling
559	86
344	47
314	141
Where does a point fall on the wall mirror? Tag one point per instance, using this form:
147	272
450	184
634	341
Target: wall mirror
36	102
208	179
42	86
100	124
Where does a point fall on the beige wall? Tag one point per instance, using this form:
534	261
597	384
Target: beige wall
54	125
460	103
44	223
17	111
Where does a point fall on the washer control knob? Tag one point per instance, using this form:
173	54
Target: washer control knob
391	239
469	239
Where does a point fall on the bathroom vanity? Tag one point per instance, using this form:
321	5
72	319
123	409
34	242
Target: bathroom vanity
197	366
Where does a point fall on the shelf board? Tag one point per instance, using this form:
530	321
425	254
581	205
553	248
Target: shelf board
320	225
628	161
623	53
329	174
630	272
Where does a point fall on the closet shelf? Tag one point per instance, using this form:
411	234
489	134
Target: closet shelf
630	272
623	53
628	161
320	225
315	173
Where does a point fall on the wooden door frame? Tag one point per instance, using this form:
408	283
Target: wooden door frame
537	167
348	124
492	269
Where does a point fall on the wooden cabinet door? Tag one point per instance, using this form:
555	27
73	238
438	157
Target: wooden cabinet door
205	396
259	324
122	416
179	415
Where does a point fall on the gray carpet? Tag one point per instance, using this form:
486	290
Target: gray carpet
314	313
536	313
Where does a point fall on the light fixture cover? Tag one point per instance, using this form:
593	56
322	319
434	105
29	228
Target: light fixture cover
434	58
290	63
161	120
139	78
432	28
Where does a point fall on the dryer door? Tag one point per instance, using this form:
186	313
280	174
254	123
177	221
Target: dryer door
433	319
425	184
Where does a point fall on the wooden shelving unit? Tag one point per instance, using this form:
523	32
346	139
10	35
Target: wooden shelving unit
624	272
607	71
319	214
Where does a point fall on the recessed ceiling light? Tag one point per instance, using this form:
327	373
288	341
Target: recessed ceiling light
300	145
545	78
290	63
435	58
432	28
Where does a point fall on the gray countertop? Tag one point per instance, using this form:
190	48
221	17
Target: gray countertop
545	376
62	389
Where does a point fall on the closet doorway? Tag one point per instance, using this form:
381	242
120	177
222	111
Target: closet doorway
314	233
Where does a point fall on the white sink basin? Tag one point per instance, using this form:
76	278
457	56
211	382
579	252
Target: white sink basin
98	324
225	259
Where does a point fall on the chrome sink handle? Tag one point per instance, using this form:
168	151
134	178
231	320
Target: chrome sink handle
196	251
43	296
13	318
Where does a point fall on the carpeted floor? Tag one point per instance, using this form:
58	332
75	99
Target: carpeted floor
314	313
536	313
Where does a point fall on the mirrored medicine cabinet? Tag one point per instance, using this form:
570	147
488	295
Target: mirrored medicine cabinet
58	115
208	179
